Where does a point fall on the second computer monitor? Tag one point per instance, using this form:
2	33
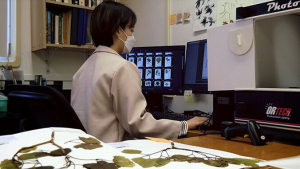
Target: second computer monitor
196	75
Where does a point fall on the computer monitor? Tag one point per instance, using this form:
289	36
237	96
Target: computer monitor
196	74
161	70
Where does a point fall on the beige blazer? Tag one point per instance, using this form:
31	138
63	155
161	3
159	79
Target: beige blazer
106	95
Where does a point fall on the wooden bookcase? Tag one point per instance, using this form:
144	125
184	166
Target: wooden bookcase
39	29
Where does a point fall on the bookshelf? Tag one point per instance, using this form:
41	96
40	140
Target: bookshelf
39	25
67	5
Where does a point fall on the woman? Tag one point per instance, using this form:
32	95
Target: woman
106	90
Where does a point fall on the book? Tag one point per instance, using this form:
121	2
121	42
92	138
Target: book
75	2
69	26
65	21
90	3
82	2
60	28
74	26
86	2
66	1
88	39
48	27
52	28
85	14
56	41
58	0
80	26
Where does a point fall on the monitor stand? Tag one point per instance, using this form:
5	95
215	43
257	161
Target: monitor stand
154	102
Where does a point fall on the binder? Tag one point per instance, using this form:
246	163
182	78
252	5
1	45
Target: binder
80	27
85	14
88	39
60	29
56	29
74	26
52	28
48	26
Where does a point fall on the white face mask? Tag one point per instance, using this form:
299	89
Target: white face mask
128	44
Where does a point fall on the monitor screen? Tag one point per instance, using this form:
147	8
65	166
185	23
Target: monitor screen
161	68
196	75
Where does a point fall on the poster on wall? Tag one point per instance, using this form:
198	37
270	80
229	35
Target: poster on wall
226	10
205	14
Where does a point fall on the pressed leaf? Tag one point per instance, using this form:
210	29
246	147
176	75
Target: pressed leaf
42	167
28	149
262	167
101	165
216	163
195	160
129	151
58	152
33	155
179	158
145	163
8	164
238	161
88	146
89	140
123	162
161	162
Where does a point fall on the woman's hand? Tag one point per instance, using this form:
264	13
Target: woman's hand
196	121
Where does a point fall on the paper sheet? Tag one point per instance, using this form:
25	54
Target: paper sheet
7	139
149	147
286	163
68	138
62	136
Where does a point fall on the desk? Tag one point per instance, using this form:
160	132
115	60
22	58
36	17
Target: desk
242	146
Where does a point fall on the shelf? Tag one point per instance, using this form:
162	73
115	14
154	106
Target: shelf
39	20
68	5
269	89
65	47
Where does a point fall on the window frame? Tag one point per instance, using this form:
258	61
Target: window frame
14	41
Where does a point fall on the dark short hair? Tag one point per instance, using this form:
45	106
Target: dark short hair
106	20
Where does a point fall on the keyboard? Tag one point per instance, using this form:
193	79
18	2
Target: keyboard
182	117
172	116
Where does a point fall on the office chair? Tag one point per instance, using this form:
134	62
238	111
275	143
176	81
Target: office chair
40	107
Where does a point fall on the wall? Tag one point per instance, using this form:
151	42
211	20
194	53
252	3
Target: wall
151	26
180	34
